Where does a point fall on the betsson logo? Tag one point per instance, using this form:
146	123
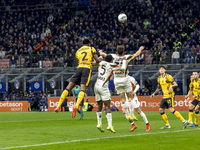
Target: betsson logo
180	103
10	104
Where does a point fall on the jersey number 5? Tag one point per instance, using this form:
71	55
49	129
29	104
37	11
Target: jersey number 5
104	70
85	54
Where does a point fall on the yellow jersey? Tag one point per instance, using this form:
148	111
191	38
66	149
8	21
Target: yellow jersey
85	56
165	82
195	85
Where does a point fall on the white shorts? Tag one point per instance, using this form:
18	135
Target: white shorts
101	93
134	103
122	85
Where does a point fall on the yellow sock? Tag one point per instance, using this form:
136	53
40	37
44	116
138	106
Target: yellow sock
196	118
62	98
80	98
190	116
164	117
178	115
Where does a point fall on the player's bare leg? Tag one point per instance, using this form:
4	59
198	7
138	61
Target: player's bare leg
65	93
80	98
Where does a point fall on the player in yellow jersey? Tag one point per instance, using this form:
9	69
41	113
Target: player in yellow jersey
84	56
195	88
191	106
167	83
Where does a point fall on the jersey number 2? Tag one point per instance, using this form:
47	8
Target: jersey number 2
85	54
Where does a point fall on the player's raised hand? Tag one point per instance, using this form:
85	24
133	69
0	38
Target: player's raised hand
152	95
142	47
187	97
170	89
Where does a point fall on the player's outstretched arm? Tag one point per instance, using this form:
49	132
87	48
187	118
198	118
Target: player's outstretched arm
139	51
157	90
96	58
189	94
102	53
174	84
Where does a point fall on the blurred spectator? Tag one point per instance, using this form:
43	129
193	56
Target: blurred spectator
35	62
30	101
175	56
42	104
145	92
5	96
114	108
27	62
148	85
2	54
156	56
197	52
56	61
70	60
178	91
187	57
13	98
13	62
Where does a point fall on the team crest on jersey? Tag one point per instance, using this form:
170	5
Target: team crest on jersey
17	84
53	84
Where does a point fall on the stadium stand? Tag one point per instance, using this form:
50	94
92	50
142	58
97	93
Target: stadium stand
162	26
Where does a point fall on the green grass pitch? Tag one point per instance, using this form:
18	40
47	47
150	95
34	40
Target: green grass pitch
50	131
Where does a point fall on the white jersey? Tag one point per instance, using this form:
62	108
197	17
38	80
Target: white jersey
134	103
104	73
121	72
134	83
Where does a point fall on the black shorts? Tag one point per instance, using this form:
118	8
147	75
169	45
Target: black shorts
167	103
82	102
82	76
195	102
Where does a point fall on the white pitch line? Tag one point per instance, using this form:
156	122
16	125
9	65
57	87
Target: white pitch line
82	140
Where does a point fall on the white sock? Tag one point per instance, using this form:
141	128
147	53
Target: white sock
109	119
99	118
125	108
144	117
131	108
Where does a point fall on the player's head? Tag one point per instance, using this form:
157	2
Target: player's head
108	58
86	42
162	69
191	77
120	50
195	75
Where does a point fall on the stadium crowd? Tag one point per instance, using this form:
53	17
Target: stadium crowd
168	29
37	101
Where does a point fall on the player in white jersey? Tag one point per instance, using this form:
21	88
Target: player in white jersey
121	80
135	104
102	93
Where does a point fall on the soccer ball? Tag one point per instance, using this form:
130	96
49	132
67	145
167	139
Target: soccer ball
122	18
